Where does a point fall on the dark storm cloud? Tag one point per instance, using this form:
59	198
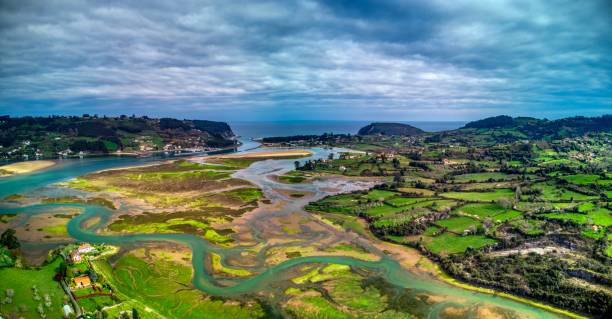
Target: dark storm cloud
415	59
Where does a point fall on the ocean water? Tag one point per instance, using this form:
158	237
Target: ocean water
248	130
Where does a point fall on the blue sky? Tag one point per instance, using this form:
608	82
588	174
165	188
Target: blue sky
288	60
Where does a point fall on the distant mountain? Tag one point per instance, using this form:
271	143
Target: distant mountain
506	129
536	128
47	136
390	129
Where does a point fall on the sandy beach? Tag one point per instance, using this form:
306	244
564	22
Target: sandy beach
272	154
24	167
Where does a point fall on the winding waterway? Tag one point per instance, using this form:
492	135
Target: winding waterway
41	183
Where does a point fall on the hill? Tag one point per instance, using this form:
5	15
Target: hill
536	128
506	129
49	136
390	129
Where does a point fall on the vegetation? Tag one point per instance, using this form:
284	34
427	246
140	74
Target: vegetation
170	185
473	198
163	284
24	290
48	136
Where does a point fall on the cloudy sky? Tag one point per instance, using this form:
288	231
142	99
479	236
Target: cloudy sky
286	60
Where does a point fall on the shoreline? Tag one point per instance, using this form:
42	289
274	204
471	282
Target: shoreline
437	271
271	154
25	167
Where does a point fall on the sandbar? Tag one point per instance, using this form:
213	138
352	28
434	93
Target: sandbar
25	167
275	154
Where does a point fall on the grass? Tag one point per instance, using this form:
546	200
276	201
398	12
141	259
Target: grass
190	222
165	286
91	304
482	177
22	280
403	201
218	266
57	230
420	191
346	295
78	200
482	210
508	215
552	192
600	217
236	163
458	224
170	185
480	196
379	211
528	227
581	179
594	234
431	230
292	177
379	195
247	195
448	243
494	211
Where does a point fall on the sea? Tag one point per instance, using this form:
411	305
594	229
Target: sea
254	130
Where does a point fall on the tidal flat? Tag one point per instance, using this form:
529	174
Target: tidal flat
219	236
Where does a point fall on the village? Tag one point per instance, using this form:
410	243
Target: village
67	286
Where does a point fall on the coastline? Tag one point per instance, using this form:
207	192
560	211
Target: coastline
26	167
270	154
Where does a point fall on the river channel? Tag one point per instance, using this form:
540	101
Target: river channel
42	184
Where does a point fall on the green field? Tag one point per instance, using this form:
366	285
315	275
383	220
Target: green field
458	224
377	194
165	286
448	243
481	210
507	215
22	281
480	196
585	179
600	217
403	201
482	177
551	192
383	210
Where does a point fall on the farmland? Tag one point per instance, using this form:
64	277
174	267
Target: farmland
22	282
545	196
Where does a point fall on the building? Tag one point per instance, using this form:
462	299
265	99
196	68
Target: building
75	257
82	281
85	248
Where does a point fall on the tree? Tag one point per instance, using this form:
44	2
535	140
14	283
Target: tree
505	203
396	163
61	271
9	239
517	193
330	156
297	165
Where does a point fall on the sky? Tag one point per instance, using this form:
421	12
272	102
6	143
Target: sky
279	60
